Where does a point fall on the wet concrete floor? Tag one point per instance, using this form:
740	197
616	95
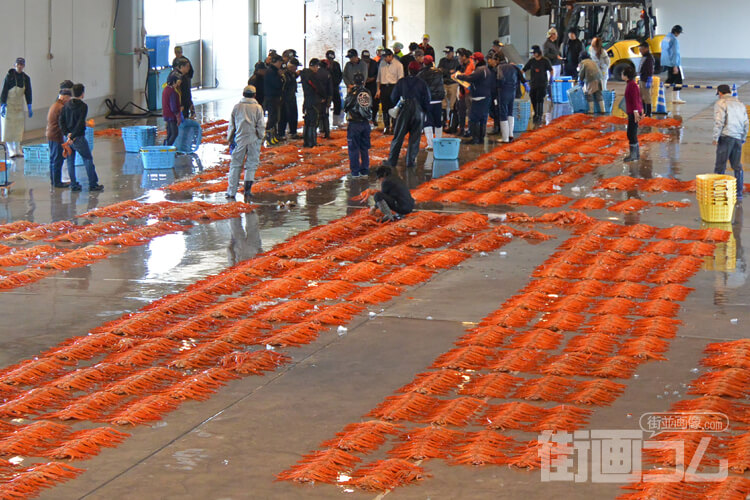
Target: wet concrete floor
233	445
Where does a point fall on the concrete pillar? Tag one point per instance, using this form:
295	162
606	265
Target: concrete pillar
129	36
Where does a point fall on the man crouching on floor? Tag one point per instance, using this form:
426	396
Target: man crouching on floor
393	196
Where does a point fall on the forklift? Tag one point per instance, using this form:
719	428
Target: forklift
621	25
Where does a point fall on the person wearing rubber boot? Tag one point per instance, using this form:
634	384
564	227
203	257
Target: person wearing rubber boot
449	65
410	120
336	77
730	133
313	96
15	96
433	77
509	81
358	109
393	196
540	73
482	81
55	138
289	116
670	62
590	78
646	74
273	88
245	137
634	109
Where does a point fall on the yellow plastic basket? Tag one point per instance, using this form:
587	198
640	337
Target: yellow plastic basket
716	196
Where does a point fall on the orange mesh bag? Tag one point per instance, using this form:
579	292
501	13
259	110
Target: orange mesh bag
562	418
645	347
517	360
200	386
85	444
486	336
412	275
293	335
547	388
596	392
253	363
464	358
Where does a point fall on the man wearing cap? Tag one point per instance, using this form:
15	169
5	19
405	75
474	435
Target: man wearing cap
171	107
289	100
55	137
273	85
245	136
433	77
540	69
358	108
410	119
449	65
463	106
730	132
15	96
311	104
482	82
497	48
257	80
390	72
371	83
552	52
408	58
426	47
354	66
670	62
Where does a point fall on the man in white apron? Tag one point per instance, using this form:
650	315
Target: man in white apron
15	96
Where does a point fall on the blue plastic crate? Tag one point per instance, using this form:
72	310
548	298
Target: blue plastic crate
446	148
135	138
522	115
36	153
609	100
560	89
158	50
189	136
157	179
39	153
580	105
577	100
156	157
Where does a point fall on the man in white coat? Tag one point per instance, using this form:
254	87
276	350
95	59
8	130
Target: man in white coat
245	136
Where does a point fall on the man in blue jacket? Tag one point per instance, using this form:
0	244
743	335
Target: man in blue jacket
482	82
670	62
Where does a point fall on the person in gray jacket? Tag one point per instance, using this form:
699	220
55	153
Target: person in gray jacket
730	132
351	68
245	136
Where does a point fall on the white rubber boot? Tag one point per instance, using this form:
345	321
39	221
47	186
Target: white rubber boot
676	97
428	134
504	134
438	132
511	124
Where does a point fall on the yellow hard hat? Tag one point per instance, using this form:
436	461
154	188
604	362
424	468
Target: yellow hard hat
425	36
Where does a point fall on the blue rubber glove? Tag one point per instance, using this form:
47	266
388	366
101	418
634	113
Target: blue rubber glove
649	82
526	86
232	147
31	113
3	108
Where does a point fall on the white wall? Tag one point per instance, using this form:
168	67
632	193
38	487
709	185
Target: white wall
231	42
409	24
81	48
713	33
